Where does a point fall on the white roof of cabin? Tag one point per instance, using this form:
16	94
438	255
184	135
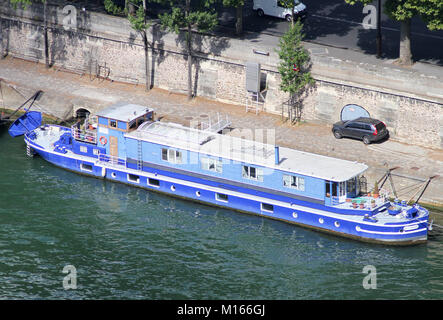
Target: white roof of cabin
124	111
248	151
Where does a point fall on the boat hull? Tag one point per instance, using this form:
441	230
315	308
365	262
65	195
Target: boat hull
309	215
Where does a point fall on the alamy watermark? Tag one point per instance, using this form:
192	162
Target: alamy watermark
370	280
70	280
370	20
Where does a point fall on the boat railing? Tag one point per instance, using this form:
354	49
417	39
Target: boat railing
87	132
83	134
335	201
112	160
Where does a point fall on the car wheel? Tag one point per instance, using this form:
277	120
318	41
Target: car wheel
366	140
288	18
260	13
337	134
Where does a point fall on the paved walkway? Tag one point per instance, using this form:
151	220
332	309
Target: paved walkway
64	90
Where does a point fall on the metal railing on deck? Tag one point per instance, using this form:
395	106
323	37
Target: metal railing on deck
111	160
84	135
89	131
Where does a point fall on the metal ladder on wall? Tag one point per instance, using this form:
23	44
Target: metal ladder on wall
140	155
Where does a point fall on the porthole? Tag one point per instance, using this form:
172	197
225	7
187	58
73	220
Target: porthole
337	224
321	220
172	188
197	193
295	215
114	175
357	228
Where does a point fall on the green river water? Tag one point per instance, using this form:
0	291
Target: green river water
129	243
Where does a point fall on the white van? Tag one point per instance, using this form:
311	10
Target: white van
276	8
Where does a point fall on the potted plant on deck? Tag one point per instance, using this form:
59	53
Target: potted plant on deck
376	191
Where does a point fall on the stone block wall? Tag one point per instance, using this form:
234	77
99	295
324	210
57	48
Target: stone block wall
108	46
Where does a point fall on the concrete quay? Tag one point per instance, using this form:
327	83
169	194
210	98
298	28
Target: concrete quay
65	92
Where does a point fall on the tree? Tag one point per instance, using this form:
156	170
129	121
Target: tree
430	11
238	5
294	64
136	12
184	18
290	4
24	4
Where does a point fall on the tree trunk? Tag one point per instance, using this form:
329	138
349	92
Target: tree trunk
405	56
45	34
1	38
239	22
130	7
147	73
145	44
189	49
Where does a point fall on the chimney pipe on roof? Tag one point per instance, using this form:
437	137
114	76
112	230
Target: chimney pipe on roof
277	154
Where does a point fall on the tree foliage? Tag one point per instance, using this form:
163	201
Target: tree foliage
200	17
186	18
294	61
23	3
238	5
111	7
430	11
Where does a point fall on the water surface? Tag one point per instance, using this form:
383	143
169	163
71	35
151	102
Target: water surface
129	243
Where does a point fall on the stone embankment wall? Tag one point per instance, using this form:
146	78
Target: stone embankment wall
100	45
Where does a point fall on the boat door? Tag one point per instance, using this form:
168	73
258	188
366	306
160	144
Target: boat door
335	192
342	191
113	146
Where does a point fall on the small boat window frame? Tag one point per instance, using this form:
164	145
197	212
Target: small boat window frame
252	173
221	197
131	179
172	155
270	208
210	164
152	183
86	167
293	182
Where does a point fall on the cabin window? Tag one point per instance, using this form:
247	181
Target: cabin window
211	165
342	188
96	152
350	185
171	155
154	182
113	123
328	189
267	207
334	189
83	149
293	182
221	197
133	124
252	173
133	178
86	167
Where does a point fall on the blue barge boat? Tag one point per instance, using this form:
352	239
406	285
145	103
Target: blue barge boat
123	143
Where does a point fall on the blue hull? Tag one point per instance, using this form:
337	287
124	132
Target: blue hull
304	213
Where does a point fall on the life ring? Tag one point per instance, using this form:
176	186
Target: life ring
103	140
